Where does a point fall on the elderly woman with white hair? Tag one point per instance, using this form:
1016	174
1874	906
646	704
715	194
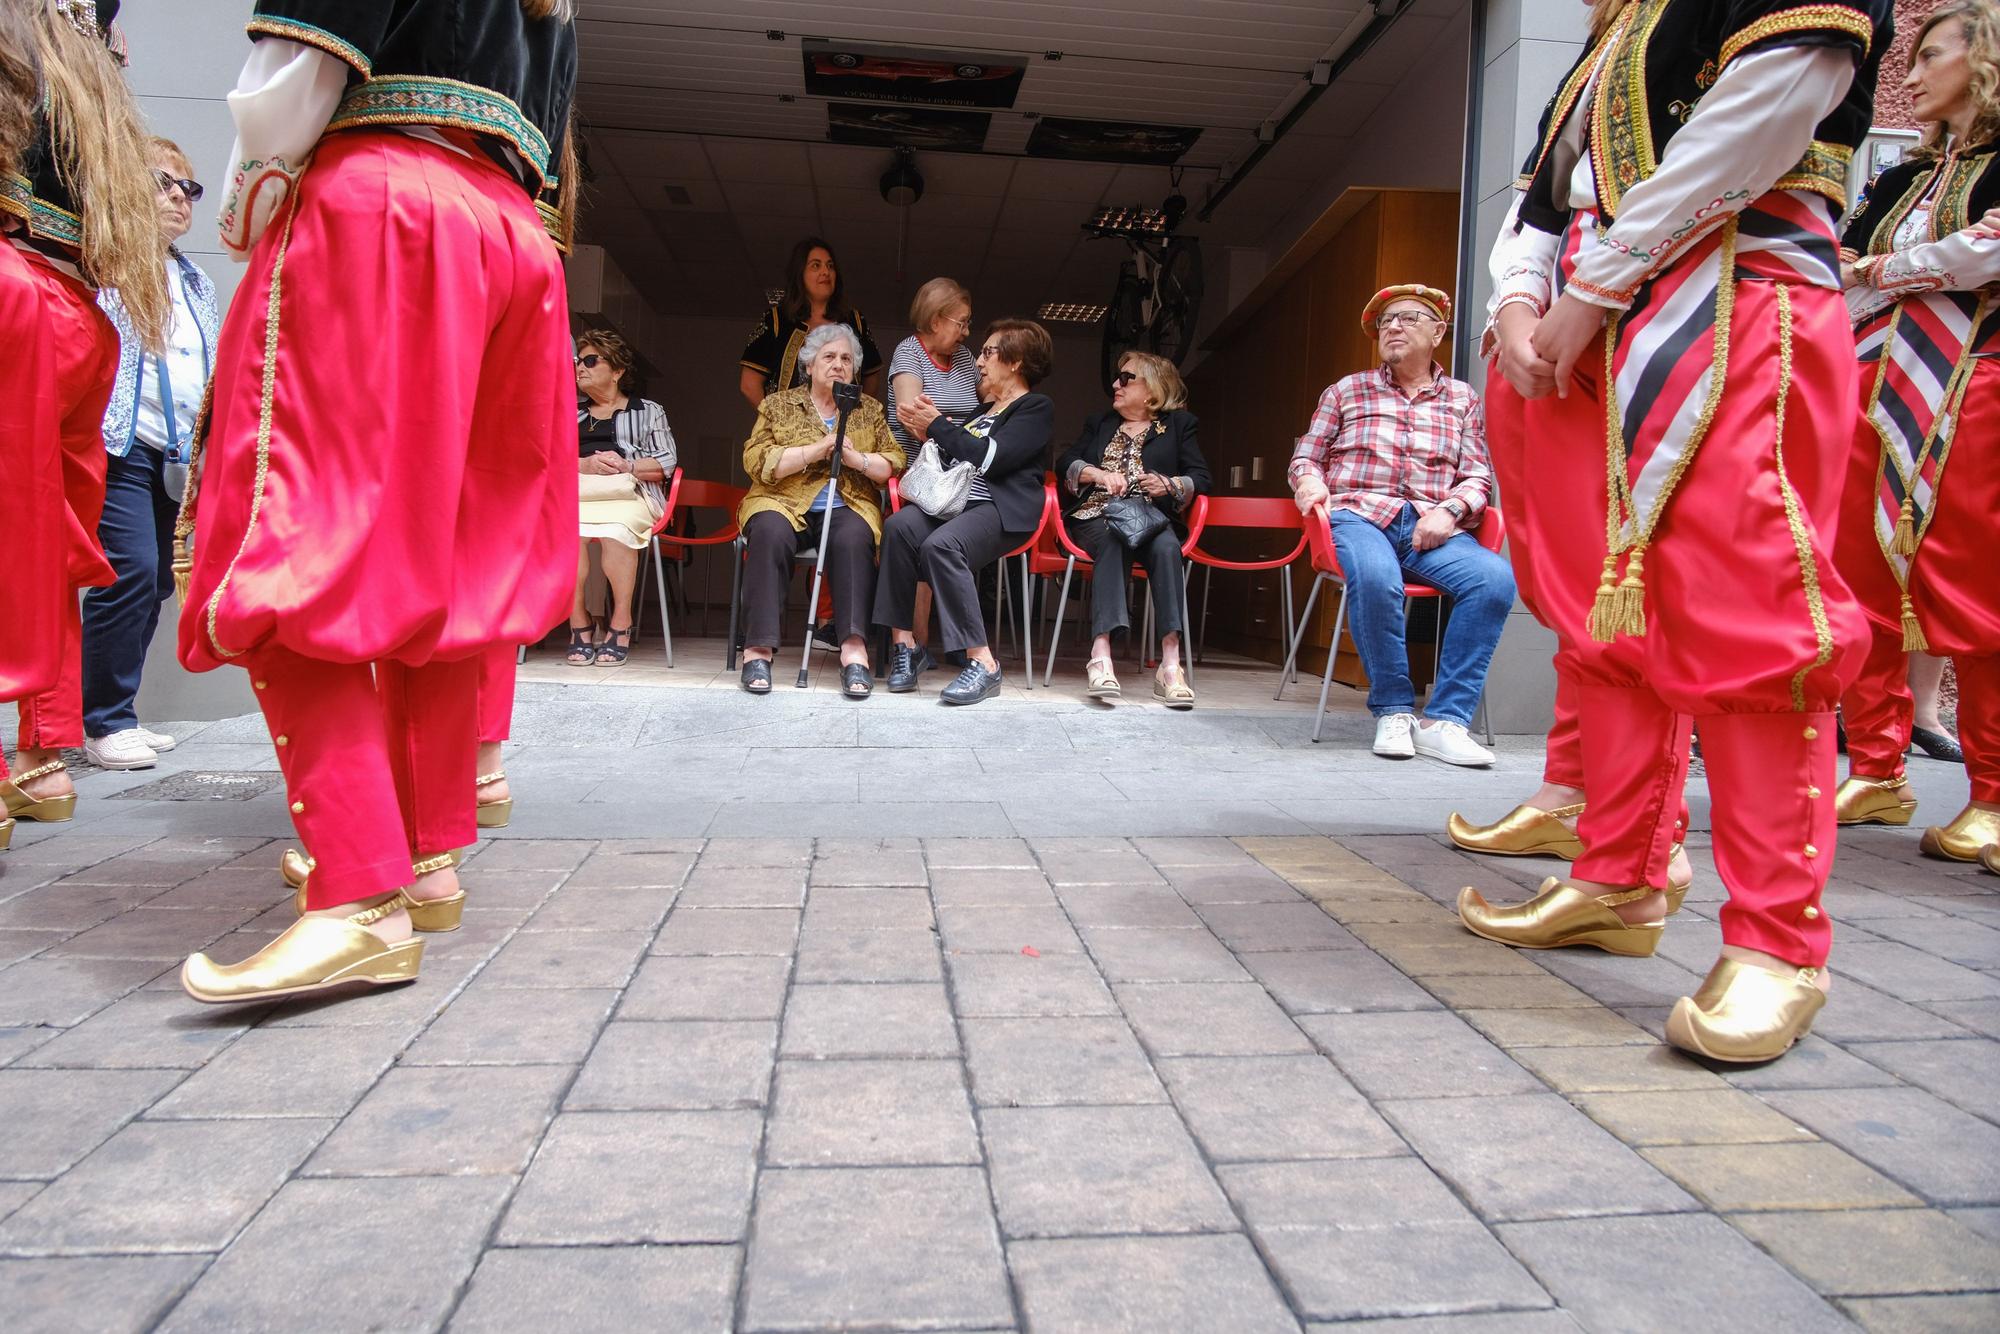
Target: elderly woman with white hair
789	457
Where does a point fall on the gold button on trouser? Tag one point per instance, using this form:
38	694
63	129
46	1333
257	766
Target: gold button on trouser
298	808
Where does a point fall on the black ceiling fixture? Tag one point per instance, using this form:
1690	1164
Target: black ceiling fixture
902	184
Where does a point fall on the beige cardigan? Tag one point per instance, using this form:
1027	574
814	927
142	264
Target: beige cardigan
788	419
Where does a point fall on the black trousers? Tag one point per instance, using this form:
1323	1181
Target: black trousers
1166	571
945	553
770	544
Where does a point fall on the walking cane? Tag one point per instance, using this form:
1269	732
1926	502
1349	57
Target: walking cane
846	397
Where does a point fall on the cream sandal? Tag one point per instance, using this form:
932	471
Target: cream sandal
1170	687
1103	681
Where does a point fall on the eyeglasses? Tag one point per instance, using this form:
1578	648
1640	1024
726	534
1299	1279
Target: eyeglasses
990	350
1397	319
1124	378
589	360
189	189
964	322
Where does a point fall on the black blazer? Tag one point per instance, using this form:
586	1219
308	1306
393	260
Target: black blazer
1171	451
1020	442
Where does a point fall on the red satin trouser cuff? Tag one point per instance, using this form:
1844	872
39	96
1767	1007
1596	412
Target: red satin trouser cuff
378	764
1979	722
496	693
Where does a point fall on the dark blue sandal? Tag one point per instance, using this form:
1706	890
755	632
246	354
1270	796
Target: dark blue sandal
617	646
581	651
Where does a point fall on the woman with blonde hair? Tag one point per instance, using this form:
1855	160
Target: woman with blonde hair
81	213
1923	477
1145	444
386	485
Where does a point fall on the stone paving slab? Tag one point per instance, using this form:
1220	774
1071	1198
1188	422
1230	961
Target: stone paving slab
1017	1071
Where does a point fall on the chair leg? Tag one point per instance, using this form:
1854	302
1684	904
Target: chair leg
660	586
1201	638
1027	623
1187	657
1484	719
521	655
1055	634
1002	625
1285	673
1285	597
1332	653
735	597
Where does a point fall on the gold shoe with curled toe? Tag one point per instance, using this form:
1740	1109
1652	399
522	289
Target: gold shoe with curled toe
492	814
1969	833
1521	832
1559	916
1873	801
297	868
313	954
1745	1013
6	833
1989	857
42	810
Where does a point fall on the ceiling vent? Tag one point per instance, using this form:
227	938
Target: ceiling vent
678	196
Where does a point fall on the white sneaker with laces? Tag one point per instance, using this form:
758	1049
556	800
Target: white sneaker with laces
1392	735
159	741
1451	743
120	750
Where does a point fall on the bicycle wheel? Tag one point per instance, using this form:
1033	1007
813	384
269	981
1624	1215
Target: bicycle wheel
1124	320
1180	289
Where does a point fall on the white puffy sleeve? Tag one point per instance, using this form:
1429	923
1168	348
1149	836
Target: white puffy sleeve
283	100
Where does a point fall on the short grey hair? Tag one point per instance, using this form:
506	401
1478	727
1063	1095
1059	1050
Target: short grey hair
817	340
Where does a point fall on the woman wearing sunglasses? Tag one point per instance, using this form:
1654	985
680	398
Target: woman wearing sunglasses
625	453
1143	445
147	432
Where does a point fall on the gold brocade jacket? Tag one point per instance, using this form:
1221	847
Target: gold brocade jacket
787	420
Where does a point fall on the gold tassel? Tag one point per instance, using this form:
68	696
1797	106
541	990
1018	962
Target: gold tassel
1904	542
1913	632
183	567
1603	614
1629	608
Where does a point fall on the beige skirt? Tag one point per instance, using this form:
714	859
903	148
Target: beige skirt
628	520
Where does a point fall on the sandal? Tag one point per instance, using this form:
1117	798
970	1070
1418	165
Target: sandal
617	646
856	681
1103	681
1170	687
756	676
581	651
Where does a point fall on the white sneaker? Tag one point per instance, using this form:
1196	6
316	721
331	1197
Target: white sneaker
1392	735
1451	743
120	750
159	741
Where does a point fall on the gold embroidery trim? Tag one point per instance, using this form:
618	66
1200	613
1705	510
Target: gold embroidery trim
1565	100
267	395
307	35
1621	132
1794	518
1823	170
1806	18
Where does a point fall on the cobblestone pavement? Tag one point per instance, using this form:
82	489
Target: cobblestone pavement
797	1077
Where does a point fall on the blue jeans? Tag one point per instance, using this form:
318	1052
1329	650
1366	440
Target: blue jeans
118	622
1480	583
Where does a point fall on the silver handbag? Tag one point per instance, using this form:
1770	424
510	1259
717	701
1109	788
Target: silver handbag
935	489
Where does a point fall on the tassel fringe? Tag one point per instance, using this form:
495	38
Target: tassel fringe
183	568
1629	609
1904	541
1913	632
1603	611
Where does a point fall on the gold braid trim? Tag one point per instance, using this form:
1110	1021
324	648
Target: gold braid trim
438	862
267	395
1806	18
1620	605
1801	539
183	564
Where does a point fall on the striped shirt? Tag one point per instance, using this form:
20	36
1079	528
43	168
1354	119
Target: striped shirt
955	391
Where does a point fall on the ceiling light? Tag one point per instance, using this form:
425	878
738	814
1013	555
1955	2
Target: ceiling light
903	184
1072	312
1127	222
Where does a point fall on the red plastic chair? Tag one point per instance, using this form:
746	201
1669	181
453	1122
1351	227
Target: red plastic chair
1272	513
692	495
659	571
1025	551
1074	557
1326	567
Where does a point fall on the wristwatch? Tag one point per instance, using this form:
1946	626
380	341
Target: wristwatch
1456	507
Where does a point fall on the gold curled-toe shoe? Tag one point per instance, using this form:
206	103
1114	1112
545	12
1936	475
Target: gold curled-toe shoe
425	914
6	833
1560	915
313	954
1873	801
1745	1013
1969	833
43	810
1521	832
492	814
1989	856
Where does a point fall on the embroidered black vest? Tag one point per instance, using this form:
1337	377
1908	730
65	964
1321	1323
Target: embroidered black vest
1971	185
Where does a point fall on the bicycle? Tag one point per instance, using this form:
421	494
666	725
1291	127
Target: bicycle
1157	301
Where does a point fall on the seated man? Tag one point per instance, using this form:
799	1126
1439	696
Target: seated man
1395	460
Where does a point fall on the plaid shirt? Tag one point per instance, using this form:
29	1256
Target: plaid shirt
1377	446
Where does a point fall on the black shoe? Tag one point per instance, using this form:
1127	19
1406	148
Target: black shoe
823	636
1936	745
757	676
856	681
906	664
971	685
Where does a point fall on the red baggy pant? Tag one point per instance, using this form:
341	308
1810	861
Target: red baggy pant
1751	632
496	693
65	383
378	764
1952	588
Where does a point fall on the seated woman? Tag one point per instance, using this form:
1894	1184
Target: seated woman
1007	439
789	459
625	453
1143	446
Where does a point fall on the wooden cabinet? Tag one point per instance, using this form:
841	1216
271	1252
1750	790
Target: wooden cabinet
1268	363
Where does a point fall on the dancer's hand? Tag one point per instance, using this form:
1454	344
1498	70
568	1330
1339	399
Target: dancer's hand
1518	362
1565	334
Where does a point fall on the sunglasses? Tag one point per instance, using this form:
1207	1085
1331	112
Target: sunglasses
190	189
1124	378
589	361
